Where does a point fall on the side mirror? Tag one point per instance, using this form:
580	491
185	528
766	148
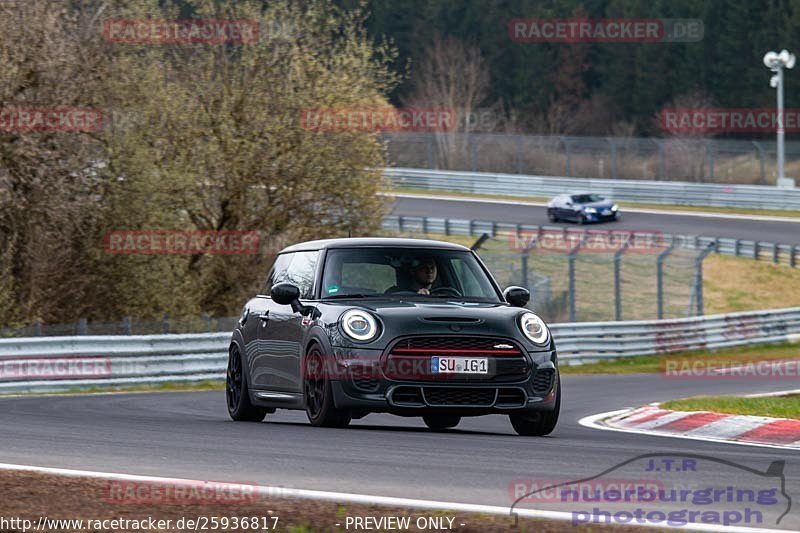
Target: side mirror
289	294
517	296
285	293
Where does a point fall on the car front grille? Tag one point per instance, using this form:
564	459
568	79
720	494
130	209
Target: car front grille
409	359
457	345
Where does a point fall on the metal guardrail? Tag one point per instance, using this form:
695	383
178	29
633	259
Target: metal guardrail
587	341
71	363
651	192
784	254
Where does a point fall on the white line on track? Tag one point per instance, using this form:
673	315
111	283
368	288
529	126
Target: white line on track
595	422
699	214
365	499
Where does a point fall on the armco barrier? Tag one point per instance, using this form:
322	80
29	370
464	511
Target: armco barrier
651	192
149	359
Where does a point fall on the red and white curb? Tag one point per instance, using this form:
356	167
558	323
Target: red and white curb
701	425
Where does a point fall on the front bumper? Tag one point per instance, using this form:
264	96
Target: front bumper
533	390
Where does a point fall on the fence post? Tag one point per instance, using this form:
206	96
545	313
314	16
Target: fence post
519	153
166	328
755	250
775	253
660	278
760	150
573	254
613	157
792	253
524	266
82	326
37	329
617	281
736	245
698	277
127	326
447	226
567	156
710	152
424	225
429	152
662	161
473	153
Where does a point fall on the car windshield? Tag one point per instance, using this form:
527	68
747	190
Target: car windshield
405	272
587	198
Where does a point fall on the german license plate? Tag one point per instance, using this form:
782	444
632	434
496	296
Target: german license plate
459	365
606	212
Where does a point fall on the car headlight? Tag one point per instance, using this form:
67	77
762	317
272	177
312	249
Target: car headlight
614	207
359	325
590	210
534	328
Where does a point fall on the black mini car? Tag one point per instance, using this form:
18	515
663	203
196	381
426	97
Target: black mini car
347	327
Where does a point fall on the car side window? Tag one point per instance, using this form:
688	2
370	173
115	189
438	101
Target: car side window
278	272
301	272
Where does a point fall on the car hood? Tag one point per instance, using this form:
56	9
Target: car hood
599	205
447	317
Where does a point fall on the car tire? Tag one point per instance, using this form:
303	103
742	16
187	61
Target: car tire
538	424
551	216
237	393
439	422
318	394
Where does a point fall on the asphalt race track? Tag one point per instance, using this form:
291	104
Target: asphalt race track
189	435
782	232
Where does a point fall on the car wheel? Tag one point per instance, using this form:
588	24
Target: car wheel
538	424
551	215
616	218
318	393
441	421
237	393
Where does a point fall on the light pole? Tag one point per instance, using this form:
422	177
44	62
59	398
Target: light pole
776	62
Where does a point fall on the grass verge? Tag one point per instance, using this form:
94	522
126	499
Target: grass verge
774	406
650	364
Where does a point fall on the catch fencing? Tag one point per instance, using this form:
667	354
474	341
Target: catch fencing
691	159
648	192
588	275
51	364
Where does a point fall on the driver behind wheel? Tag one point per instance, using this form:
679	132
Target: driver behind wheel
423	275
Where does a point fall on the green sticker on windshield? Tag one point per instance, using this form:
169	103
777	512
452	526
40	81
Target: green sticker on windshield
333	289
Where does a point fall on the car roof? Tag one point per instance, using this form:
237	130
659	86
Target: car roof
372	242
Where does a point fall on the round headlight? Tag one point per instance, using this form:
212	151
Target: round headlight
590	210
534	328
359	325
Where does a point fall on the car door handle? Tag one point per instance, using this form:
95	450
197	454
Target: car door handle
264	316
